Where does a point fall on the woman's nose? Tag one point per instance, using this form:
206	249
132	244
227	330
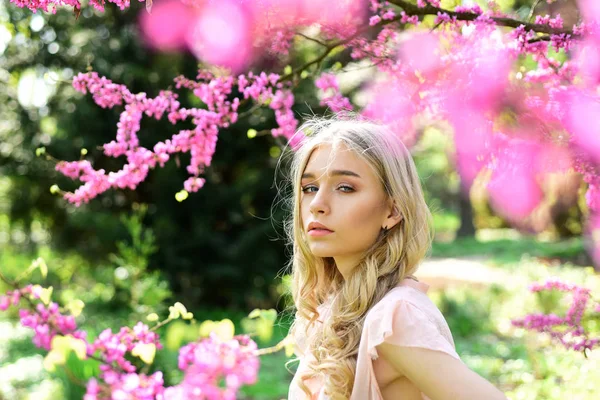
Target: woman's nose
319	203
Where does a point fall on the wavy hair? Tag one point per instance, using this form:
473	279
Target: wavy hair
394	255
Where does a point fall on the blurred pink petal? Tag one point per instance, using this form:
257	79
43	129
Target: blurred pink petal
583	122
336	12
392	104
588	56
479	73
553	159
513	188
167	26
221	35
472	139
421	52
590	10
489	77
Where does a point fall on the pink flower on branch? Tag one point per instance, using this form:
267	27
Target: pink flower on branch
333	98
43	316
222	110
514	176
568	329
212	360
52	5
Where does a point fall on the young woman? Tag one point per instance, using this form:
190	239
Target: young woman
364	327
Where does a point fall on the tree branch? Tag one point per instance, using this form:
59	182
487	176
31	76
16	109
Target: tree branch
329	47
412	9
311	39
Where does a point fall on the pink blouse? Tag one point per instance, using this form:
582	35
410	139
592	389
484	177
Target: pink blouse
405	316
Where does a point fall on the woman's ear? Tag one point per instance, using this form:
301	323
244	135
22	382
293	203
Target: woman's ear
394	217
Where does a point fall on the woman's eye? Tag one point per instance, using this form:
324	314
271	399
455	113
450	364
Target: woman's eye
343	188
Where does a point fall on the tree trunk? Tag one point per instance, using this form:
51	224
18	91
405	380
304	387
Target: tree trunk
466	216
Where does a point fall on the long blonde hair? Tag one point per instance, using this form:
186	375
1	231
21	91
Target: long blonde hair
394	255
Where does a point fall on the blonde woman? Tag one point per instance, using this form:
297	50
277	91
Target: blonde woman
364	327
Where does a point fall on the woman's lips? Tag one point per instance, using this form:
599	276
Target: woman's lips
319	232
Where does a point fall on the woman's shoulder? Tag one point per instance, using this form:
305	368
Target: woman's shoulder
406	316
407	301
409	291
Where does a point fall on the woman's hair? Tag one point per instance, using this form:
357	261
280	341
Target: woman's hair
394	255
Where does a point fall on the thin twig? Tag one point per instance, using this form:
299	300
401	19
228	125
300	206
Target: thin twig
330	47
274	349
533	7
312	39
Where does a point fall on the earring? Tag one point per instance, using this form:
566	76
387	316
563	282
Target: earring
385	230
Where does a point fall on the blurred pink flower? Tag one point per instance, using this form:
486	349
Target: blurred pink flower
167	26
588	56
421	52
472	139
488	74
583	123
590	10
221	35
392	104
513	188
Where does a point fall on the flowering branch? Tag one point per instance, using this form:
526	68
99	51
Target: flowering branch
568	330
430	9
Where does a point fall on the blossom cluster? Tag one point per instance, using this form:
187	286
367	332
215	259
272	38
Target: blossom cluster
568	329
334	98
45	319
205	363
126	386
200	142
114	347
52	5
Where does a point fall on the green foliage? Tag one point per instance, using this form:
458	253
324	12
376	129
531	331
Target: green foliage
143	290
509	251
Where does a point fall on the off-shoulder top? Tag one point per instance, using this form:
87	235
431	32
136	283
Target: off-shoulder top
405	316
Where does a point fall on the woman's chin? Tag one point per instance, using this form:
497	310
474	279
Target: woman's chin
318	251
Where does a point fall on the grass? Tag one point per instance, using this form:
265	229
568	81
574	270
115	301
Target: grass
501	251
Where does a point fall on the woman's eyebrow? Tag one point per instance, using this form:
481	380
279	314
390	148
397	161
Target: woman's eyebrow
333	173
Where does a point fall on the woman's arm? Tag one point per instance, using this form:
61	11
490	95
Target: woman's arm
437	374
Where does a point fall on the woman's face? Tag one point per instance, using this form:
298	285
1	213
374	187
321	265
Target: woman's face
344	195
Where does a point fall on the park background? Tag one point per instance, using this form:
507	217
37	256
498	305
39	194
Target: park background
221	252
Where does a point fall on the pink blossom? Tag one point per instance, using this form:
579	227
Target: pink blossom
167	26
211	360
583	123
421	52
333	99
588	57
114	347
374	20
566	330
392	104
514	176
232	46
